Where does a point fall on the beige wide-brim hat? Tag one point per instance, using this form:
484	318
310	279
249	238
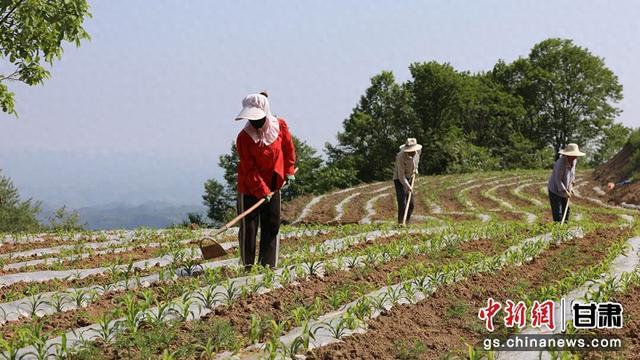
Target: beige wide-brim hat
411	145
572	150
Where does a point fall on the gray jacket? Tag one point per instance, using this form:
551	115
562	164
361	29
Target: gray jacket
562	177
406	166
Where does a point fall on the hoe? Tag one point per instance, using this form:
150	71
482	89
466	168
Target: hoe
210	248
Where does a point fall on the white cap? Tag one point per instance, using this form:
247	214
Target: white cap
251	113
253	107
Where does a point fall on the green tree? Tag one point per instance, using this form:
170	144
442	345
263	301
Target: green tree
194	219
64	220
569	93
633	167
437	100
16	215
608	144
229	163
216	199
31	35
314	175
380	122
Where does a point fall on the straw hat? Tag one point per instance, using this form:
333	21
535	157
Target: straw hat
411	145
572	150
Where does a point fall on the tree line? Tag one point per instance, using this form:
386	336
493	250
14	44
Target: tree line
517	115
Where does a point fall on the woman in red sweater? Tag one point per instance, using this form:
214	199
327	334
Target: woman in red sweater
267	158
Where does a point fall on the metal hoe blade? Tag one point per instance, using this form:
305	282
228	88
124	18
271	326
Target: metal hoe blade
211	250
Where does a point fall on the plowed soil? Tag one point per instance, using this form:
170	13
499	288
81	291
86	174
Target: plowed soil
431	322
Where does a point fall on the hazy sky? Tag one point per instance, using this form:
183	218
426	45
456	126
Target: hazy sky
143	110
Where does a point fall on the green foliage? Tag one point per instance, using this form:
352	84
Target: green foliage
569	94
64	220
514	116
31	34
217	200
194	219
380	122
633	167
612	140
461	155
16	215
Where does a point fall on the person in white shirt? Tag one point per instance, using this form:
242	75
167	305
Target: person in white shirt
407	161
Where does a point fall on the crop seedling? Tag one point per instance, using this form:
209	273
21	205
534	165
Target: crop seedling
213	276
163	310
208	350
62	349
273	344
410	293
184	311
394	294
208	297
230	291
255	329
336	299
285	276
106	330
41	349
362	308
78	297
337	330
132	313
300	314
268	278
35	303
314	267
301	342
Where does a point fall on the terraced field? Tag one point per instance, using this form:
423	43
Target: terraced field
351	284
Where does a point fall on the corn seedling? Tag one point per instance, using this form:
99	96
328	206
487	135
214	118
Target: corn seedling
78	297
255	329
62	349
410	292
157	318
300	315
35	303
314	267
208	350
132	313
106	330
301	342
337	330
230	291
184	311
394	294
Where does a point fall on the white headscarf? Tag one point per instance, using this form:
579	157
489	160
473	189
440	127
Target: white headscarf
269	132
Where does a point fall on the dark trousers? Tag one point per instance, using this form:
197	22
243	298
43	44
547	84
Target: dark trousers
401	197
267	216
558	204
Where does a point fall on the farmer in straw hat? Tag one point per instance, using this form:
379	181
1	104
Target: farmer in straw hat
562	179
267	157
407	161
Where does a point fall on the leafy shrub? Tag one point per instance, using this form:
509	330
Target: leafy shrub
15	214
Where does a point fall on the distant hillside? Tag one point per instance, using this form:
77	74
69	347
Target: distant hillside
153	214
